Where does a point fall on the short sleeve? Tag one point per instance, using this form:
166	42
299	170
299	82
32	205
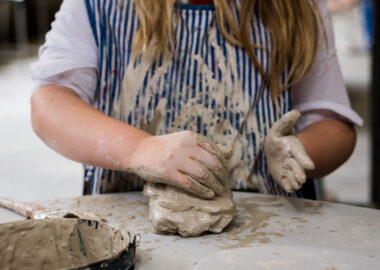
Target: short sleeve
322	91
69	55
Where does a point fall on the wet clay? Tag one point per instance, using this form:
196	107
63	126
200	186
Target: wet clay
317	207
175	211
59	243
249	227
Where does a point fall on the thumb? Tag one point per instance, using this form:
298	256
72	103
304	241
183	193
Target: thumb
285	125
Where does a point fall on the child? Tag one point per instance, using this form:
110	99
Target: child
128	87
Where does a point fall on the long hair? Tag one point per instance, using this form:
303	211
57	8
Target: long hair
294	26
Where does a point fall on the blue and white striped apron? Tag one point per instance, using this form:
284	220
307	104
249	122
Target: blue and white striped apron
207	86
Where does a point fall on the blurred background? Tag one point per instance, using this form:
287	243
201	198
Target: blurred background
31	171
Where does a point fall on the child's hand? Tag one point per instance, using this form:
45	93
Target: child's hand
184	159
286	155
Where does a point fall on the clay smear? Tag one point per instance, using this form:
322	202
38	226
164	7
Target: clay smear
131	216
317	207
252	219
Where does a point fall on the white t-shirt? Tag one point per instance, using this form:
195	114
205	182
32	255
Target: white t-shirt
69	58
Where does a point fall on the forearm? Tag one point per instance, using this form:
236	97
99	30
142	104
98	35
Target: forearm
329	143
80	132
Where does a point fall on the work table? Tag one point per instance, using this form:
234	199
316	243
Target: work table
267	232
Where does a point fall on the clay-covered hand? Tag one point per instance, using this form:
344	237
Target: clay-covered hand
184	159
286	155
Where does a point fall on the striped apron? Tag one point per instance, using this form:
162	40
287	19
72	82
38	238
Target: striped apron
207	85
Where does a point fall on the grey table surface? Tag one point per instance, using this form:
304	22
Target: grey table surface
267	232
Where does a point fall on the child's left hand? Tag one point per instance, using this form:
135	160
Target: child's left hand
286	155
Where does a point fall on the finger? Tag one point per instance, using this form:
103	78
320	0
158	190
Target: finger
191	167
220	173
300	154
218	154
198	189
206	157
177	179
284	183
207	144
221	151
211	181
298	171
292	181
188	183
285	125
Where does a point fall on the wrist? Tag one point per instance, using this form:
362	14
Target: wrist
138	153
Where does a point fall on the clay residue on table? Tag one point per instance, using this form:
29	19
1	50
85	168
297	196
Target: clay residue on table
264	199
131	216
275	263
298	219
317	207
247	229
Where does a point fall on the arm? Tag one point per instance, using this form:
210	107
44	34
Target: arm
316	151
321	97
329	143
80	132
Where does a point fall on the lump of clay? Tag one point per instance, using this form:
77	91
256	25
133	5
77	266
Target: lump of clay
173	210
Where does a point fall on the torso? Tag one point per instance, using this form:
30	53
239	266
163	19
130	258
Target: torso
207	86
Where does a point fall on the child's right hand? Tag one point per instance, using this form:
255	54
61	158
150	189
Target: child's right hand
184	159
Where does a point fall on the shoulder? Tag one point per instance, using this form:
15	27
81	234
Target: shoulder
69	46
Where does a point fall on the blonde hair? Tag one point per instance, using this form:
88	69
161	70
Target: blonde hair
294	26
